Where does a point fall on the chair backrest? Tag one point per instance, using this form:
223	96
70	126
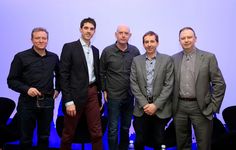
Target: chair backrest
10	132
229	114
6	108
219	130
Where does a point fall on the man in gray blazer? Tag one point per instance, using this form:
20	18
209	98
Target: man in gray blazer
152	78
198	92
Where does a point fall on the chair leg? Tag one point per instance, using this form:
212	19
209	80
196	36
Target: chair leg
82	146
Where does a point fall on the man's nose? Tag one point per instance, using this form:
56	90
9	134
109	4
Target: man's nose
186	40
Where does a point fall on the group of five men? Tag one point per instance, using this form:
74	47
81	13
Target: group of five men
153	87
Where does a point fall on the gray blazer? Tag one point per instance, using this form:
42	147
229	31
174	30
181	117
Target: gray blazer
210	84
162	84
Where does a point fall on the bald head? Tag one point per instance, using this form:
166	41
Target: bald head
123	27
122	35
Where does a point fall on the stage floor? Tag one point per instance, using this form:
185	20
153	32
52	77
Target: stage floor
55	143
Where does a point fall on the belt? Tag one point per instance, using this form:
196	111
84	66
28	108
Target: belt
44	95
92	85
150	99
187	99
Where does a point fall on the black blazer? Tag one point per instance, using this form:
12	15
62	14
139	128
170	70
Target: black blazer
74	78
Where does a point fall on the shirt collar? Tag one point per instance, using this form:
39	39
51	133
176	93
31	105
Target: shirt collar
118	50
152	57
191	53
35	53
83	43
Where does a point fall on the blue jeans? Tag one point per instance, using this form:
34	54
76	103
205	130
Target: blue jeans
119	111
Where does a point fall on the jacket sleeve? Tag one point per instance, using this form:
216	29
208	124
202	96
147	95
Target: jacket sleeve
64	70
103	69
217	84
135	87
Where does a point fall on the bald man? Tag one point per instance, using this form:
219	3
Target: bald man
115	65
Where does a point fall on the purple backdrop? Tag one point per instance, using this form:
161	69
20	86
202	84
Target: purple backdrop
213	21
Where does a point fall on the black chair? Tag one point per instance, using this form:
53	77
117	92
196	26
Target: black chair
218	134
82	135
229	114
10	132
7	130
7	106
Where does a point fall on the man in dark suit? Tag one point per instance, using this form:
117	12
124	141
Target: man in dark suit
198	92
152	78
79	72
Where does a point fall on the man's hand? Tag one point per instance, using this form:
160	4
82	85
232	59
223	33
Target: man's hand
105	95
101	107
150	109
33	92
71	110
56	93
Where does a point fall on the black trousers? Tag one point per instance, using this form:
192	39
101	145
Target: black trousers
29	117
149	131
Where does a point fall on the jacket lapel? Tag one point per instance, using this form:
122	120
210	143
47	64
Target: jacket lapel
157	65
198	62
94	59
143	67
178	65
81	52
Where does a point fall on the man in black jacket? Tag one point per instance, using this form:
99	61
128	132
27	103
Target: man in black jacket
79	72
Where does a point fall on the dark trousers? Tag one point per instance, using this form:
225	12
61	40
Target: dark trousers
28	119
92	113
188	115
119	111
149	128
